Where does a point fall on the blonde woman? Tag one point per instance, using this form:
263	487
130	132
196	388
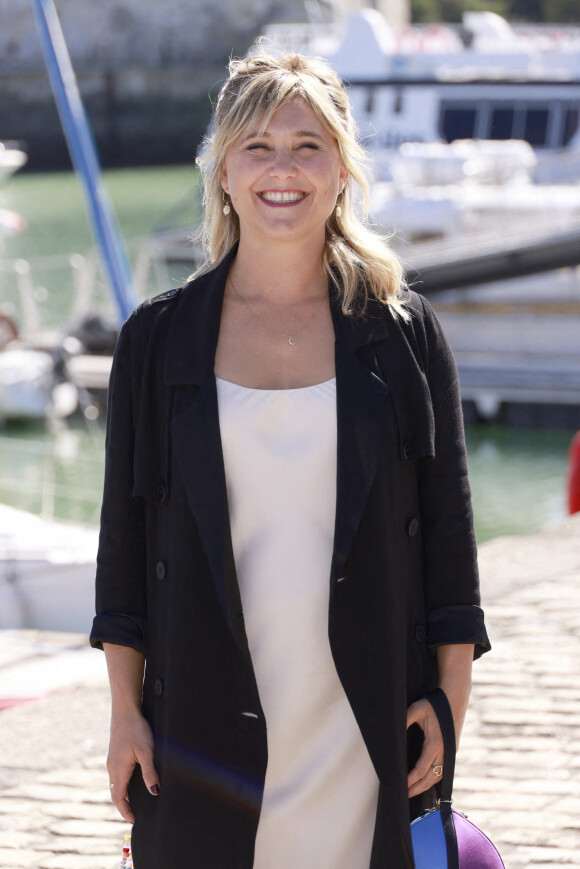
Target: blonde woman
287	560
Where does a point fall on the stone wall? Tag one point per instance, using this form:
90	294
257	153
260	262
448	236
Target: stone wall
144	68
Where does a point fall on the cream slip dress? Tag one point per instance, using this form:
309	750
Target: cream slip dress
321	789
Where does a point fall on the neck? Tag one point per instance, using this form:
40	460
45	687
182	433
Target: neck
278	273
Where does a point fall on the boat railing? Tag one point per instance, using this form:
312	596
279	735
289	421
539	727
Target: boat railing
57	479
30	286
27	287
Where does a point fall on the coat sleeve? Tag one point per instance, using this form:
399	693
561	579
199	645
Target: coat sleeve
121	600
451	577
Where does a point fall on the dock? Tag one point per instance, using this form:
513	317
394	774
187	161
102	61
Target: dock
517	348
476	261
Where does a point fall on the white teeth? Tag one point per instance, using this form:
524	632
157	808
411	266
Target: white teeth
282	197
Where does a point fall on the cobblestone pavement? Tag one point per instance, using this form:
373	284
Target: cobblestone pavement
518	768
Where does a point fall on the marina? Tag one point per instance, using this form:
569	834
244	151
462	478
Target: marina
488	230
492	237
474	134
55	468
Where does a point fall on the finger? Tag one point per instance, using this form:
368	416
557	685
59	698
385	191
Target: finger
124	808
429	758
150	776
421	769
416	715
149	773
119	776
425	782
120	799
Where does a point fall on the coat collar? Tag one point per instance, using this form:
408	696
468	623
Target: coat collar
194	329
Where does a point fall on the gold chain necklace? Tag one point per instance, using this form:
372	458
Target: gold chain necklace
291	338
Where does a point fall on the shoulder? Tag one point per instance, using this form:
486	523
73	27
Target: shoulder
151	315
420	321
418	306
423	331
162	298
157	306
142	329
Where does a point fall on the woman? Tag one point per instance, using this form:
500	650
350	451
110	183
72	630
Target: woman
287	559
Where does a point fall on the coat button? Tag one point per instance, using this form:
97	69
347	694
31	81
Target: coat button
420	633
161	570
413	528
162	493
158	687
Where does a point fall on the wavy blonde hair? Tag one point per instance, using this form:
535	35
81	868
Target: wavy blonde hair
358	260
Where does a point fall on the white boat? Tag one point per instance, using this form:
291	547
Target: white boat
482	80
30	386
468	187
473	129
12	158
47	571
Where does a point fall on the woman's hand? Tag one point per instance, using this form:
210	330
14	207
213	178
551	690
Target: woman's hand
131	737
422	777
454	664
131	743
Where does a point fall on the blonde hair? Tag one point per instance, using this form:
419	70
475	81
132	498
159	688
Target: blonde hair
358	260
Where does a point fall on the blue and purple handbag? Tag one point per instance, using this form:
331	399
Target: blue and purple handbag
444	838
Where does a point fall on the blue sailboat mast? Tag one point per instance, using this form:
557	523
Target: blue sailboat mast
84	156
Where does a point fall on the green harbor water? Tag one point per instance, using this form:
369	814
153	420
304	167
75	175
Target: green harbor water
517	475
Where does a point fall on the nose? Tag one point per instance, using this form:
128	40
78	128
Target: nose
283	164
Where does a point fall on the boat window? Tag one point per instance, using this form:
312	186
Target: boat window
398	103
502	123
370	101
536	126
571	118
458	123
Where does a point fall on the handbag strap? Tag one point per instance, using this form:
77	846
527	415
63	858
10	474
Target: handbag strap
440	703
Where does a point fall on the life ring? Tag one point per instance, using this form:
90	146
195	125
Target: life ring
574	475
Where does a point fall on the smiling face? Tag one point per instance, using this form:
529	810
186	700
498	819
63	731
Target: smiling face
284	182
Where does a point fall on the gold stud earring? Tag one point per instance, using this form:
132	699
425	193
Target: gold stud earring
226	209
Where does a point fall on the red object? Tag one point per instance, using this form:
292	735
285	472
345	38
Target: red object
574	475
9	702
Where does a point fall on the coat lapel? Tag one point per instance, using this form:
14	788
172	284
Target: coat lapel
195	432
362	408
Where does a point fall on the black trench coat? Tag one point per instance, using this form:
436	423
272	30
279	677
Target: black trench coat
404	551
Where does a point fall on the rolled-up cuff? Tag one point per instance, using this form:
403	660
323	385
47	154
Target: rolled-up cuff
451	625
120	629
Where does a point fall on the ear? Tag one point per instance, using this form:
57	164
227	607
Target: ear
343	177
224	178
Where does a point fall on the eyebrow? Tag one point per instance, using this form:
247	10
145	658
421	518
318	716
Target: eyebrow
303	134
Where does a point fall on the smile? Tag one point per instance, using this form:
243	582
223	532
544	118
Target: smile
279	197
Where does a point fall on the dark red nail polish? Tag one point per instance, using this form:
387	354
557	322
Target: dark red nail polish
155	790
